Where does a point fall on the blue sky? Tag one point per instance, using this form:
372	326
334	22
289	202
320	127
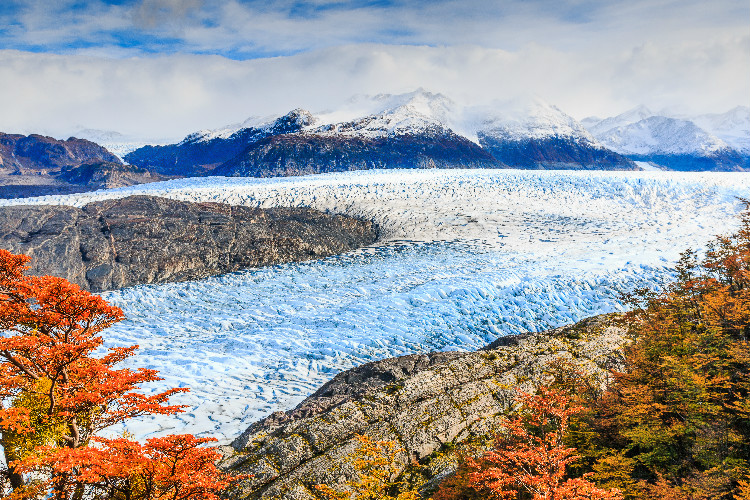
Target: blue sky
248	29
188	64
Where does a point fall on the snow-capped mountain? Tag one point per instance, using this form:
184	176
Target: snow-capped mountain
412	130
520	120
387	115
535	134
662	135
707	142
254	122
622	120
733	127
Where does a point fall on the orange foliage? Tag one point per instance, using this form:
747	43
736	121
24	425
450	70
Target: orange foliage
743	492
55	395
680	413
529	459
173	467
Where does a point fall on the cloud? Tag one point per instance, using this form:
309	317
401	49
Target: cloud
168	67
172	95
246	29
152	13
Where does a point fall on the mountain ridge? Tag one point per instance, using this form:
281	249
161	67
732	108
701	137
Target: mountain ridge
414	130
719	141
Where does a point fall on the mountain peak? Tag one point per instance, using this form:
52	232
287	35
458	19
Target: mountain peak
294	121
661	135
629	117
532	117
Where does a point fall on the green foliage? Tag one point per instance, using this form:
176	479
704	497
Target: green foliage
676	422
47	429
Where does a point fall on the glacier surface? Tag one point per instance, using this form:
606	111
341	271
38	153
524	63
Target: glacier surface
465	256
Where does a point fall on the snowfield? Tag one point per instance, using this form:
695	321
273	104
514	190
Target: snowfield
465	256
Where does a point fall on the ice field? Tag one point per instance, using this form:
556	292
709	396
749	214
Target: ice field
464	256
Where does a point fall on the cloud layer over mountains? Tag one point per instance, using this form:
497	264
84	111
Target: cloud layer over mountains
161	68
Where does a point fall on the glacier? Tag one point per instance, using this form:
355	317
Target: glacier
465	256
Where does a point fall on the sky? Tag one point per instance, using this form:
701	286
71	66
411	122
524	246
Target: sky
160	69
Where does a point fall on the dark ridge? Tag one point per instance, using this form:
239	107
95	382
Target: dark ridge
113	244
300	154
553	153
723	161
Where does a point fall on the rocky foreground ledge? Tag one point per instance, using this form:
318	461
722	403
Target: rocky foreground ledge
113	244
422	402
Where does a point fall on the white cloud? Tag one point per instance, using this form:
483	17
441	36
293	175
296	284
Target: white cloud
173	95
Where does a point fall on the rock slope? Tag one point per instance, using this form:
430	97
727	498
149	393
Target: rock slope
143	239
422	402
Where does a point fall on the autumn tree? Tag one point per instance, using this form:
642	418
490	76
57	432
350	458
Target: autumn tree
374	465
676	422
529	458
56	394
174	467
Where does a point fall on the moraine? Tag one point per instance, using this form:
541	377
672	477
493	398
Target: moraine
468	255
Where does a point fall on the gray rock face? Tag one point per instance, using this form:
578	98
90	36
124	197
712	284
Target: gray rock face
112	244
420	401
106	175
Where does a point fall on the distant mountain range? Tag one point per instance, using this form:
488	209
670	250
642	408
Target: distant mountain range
35	165
414	130
705	142
423	130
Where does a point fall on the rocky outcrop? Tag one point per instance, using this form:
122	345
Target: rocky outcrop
302	153
422	402
107	175
142	239
75	179
38	154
